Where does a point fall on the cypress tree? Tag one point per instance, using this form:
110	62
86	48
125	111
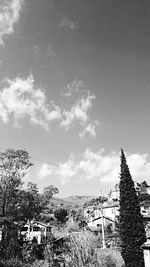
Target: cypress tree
131	227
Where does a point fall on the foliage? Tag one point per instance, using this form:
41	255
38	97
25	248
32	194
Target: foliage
13	262
13	164
81	248
61	215
108	258
142	187
144	198
78	217
49	192
18	205
32	252
95	201
76	249
131	228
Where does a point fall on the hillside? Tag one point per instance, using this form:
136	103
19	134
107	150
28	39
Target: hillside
70	202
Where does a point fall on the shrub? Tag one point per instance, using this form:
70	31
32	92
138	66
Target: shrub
14	262
108	258
61	215
80	249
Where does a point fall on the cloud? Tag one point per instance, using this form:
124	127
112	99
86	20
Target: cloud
67	23
78	102
19	99
99	165
9	15
73	88
45	171
64	170
78	112
89	128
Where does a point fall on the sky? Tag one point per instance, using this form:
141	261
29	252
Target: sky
75	88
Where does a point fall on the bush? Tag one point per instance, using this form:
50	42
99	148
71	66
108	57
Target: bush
14	262
108	258
80	249
61	215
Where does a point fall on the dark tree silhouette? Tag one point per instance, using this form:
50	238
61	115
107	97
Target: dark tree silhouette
131	227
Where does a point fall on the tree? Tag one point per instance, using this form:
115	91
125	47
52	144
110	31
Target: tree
78	217
13	164
95	201
49	191
30	203
61	215
141	188
131	227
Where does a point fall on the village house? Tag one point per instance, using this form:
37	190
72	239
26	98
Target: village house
38	231
110	210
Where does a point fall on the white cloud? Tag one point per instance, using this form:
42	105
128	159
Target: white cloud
101	166
78	112
9	15
64	170
45	170
19	99
89	128
79	101
67	23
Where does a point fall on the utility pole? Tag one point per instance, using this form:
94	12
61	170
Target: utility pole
102	216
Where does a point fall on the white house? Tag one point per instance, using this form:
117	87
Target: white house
94	215
37	230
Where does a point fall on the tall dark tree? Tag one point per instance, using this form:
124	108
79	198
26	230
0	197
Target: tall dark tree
131	227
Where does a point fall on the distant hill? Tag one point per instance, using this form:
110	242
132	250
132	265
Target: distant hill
70	202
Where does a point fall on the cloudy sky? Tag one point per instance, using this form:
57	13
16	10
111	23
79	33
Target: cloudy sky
74	88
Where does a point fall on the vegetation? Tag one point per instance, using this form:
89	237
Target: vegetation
71	243
61	215
95	201
18	205
131	228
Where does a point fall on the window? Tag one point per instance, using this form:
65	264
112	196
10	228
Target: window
25	228
36	228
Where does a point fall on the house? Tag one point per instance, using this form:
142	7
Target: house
148	190
145	209
36	230
109	211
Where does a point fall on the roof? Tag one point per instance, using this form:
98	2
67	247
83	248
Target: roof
40	223
105	217
113	205
104	205
146	245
